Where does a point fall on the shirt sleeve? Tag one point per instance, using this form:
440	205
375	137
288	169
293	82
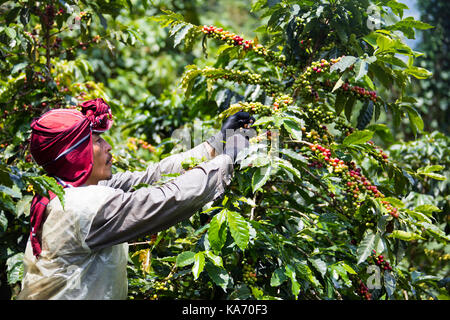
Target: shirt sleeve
127	215
172	164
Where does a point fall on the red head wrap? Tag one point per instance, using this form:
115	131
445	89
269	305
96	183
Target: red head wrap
61	142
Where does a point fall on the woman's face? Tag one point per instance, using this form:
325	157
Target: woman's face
102	160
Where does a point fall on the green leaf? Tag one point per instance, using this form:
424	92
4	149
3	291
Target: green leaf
410	22
260	177
339	104
217	232
430	168
389	283
23	205
428	171
238	228
394	201
295	286
43	184
217	260
3	222
320	265
288	167
294	155
347	268
6	202
199	264
435	176
427	208
10	32
338	83
434	231
344	63
415	119
5	178
418	215
218	275
338	270
358	137
362	67
365	115
263	120
294	128
349	107
417	72
18	67
366	246
306	273
384	43
180	35
14	268
405	235
185	258
397	7
278	277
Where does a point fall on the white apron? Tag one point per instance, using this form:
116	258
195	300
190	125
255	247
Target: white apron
67	268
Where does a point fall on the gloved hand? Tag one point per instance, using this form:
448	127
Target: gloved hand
235	144
237	121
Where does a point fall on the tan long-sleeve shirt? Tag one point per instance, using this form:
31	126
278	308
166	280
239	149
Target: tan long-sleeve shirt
126	215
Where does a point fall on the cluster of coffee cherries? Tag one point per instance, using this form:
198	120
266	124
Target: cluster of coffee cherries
378	153
436	254
282	102
249	274
311	135
160	286
247	45
134	144
254	108
318	114
341	125
83	45
355	181
324	154
36	77
25	108
363	291
390	209
378	259
237	76
315	164
48	16
305	80
358	91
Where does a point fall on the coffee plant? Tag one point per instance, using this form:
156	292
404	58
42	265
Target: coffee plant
314	197
324	203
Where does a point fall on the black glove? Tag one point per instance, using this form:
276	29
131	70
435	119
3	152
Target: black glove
235	144
238	120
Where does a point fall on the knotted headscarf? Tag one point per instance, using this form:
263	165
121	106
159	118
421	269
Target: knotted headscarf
61	142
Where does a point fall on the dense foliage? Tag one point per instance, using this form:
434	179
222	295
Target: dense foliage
433	94
326	203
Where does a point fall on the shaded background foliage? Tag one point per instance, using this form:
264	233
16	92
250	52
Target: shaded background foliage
123	52
434	92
